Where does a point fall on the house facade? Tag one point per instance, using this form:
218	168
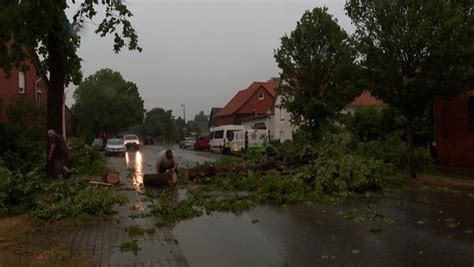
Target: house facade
278	122
256	100
454	130
28	83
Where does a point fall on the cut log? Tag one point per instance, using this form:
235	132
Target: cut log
158	179
208	170
112	177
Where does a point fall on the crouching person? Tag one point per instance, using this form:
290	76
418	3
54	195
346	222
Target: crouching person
167	162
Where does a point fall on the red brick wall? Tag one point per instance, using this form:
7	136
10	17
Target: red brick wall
9	86
260	105
454	136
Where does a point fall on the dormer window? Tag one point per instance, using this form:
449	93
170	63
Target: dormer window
261	94
254	112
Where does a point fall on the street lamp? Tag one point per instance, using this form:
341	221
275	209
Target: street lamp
184	112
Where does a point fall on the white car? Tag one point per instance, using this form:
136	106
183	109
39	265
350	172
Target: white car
115	147
131	140
187	142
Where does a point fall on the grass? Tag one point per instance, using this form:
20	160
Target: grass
25	242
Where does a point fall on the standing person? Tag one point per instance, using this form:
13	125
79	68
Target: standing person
166	161
104	140
58	153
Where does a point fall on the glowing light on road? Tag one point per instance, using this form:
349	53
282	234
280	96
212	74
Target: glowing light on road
127	159
137	179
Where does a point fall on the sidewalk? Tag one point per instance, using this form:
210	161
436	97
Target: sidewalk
102	241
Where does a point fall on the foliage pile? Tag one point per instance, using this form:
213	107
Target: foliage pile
337	166
77	200
86	160
17	191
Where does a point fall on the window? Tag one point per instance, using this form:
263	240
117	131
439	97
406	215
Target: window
269	111
230	135
260	126
471	111
218	134
261	94
21	82
38	97
254	112
282	115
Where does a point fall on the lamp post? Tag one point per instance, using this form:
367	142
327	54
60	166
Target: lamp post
184	112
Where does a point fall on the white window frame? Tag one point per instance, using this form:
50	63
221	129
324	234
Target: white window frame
261	94
21	82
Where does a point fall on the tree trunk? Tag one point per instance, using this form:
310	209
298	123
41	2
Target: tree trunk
158	179
57	78
410	150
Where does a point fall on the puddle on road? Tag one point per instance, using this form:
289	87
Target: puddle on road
149	251
316	234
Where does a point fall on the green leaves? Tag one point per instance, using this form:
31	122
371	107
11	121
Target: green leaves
319	73
105	101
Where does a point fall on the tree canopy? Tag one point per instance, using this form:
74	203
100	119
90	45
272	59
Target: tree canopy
160	123
31	29
413	52
318	70
107	102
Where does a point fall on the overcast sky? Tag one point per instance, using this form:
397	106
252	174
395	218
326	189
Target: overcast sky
201	52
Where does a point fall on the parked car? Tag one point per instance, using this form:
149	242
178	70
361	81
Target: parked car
148	140
202	143
115	147
246	140
131	140
221	136
98	144
187	142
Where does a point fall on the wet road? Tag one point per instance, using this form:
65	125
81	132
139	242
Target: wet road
413	228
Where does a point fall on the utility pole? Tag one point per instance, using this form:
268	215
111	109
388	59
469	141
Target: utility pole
184	112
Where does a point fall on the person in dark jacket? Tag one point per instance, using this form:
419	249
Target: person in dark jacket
58	154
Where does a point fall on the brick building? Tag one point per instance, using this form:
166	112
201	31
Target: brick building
28	83
254	101
454	129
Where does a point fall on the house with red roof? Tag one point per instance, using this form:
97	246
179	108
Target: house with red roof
364	99
256	100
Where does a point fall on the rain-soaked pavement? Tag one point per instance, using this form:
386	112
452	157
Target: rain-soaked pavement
409	228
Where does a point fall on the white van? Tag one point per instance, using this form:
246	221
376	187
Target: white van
221	136
249	139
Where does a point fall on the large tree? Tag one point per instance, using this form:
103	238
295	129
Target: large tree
107	102
318	70
160	123
41	30
413	51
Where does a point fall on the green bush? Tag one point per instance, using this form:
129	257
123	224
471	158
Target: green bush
393	151
17	191
86	160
